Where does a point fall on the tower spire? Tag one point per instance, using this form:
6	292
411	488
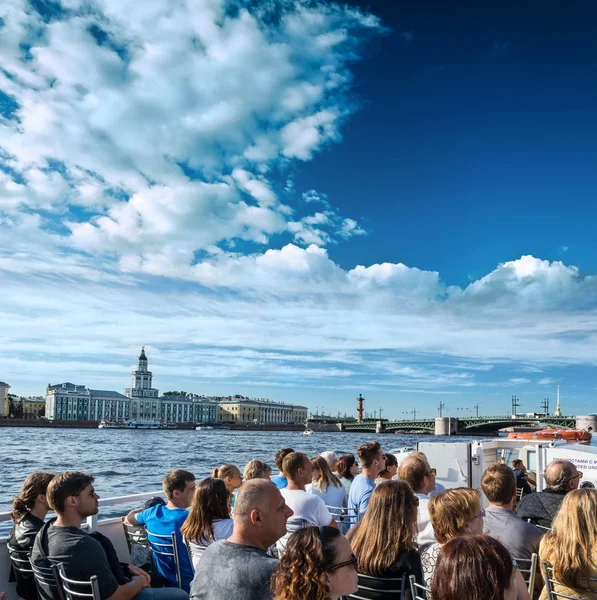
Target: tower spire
558	412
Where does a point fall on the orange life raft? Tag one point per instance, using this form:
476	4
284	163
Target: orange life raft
573	435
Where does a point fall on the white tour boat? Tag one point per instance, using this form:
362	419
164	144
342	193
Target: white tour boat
458	464
127	424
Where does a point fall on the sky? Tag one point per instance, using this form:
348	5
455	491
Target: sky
303	201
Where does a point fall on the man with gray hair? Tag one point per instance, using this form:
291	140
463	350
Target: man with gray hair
540	508
331	459
239	568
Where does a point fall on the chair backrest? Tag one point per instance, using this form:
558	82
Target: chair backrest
295	524
551	582
345	517
19	559
519	493
134	535
73	588
418	591
366	585
528	568
163	546
190	553
48	578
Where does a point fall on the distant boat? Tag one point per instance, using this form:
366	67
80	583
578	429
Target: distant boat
203	427
127	424
307	432
573	435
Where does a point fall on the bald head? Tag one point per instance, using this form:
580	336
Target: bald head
254	494
561	475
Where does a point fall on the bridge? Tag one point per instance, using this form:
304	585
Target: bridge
458	426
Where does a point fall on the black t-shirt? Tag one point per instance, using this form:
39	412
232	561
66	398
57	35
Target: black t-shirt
408	563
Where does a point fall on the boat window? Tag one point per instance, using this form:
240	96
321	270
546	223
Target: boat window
532	460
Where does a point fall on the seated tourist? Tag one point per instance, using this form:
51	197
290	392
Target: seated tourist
231	475
522	478
415	470
391	469
179	487
209	517
501	522
477	567
307	509
318	564
72	496
570	548
28	513
384	541
540	508
257	469
373	462
347	468
454	513
325	484
331	459
239	568
279	479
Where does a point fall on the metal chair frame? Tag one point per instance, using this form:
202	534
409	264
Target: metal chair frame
531	572
166	548
71	594
48	576
413	589
21	561
365	588
550	581
134	534
188	547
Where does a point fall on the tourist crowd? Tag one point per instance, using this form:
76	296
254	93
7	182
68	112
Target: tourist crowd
319	529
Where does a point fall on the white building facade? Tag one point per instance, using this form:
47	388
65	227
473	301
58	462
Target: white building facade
70	402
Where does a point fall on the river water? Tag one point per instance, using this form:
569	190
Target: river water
130	462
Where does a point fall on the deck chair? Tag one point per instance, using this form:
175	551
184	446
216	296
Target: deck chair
551	582
345	517
528	568
73	588
418	591
365	581
48	579
163	546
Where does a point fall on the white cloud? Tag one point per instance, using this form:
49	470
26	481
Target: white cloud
519	380
546	381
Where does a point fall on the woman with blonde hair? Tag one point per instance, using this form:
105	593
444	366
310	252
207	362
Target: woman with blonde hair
326	485
384	541
318	564
454	513
257	469
29	510
570	548
209	517
230	474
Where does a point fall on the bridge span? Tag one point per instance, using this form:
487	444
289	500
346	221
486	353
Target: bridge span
464	426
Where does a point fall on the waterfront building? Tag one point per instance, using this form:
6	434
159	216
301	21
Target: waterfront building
4	387
32	407
70	402
144	404
189	408
238	409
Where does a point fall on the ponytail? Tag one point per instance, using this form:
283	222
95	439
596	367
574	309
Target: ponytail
35	485
215	474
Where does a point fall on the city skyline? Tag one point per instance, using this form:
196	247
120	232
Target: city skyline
302	201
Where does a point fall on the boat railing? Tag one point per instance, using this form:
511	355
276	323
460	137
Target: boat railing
91	524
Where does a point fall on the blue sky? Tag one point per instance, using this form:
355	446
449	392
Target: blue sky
302	201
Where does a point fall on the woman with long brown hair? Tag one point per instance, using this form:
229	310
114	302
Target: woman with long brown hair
29	510
326	485
454	513
476	567
318	564
384	539
209	517
347	468
570	548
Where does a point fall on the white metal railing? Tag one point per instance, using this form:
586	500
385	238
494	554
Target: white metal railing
92	521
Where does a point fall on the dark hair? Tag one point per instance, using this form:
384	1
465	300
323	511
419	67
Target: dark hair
345	463
36	484
210	502
302	572
477	567
280	455
293	462
499	484
176	480
367	453
64	485
517	462
391	461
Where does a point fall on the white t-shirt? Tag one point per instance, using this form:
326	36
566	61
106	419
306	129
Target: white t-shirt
222	531
308	510
333	496
424	526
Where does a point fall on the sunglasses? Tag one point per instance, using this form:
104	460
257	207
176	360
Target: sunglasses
578	474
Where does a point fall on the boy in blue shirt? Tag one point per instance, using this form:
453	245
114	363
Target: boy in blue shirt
373	462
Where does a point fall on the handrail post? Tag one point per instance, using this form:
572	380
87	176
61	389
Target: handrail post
92	523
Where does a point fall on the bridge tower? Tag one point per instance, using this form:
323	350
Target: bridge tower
360	408
558	412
